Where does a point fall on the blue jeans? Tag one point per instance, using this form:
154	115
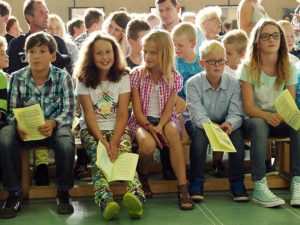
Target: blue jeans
62	141
198	149
258	130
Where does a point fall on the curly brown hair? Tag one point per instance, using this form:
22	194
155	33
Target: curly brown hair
86	70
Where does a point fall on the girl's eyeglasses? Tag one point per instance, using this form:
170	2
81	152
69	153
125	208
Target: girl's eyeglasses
266	36
214	62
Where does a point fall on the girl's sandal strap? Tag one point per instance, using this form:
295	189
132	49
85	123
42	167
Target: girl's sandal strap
184	198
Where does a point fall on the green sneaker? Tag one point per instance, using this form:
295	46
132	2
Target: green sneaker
133	205
263	196
111	210
295	191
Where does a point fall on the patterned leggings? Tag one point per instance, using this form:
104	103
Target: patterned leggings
103	194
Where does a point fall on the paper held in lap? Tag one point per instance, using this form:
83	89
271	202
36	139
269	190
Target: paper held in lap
218	139
29	119
287	108
122	169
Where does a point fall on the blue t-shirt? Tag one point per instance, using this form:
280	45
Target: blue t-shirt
187	70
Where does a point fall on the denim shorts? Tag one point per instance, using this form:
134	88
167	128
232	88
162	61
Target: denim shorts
153	120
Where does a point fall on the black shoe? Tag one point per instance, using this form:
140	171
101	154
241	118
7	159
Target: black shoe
10	208
64	203
41	175
218	169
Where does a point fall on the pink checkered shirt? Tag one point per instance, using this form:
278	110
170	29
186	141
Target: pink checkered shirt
144	85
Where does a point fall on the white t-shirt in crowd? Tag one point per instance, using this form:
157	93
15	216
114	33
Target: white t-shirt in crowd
105	101
232	72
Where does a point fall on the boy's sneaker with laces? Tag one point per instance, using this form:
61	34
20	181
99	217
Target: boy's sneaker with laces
111	210
133	205
10	208
196	190
64	203
238	191
263	196
295	191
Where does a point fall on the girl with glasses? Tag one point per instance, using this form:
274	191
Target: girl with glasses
266	73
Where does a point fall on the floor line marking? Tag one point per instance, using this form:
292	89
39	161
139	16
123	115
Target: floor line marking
205	214
287	209
213	214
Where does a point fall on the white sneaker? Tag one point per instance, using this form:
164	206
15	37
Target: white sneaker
263	196
295	191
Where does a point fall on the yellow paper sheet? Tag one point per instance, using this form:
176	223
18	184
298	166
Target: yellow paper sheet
287	108
122	169
75	122
29	119
218	139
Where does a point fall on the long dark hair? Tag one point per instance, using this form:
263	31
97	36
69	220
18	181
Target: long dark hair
86	70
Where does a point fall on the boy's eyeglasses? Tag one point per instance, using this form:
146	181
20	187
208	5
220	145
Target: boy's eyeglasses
266	36
214	62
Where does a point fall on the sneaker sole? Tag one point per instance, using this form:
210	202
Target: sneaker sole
133	205
240	199
295	202
112	209
269	204
197	198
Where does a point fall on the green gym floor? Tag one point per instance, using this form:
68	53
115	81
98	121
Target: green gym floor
217	208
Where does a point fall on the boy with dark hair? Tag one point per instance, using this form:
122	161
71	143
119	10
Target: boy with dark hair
93	20
39	83
75	27
136	30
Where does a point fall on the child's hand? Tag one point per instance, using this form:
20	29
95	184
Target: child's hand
47	128
113	150
274	119
161	135
153	132
226	127
22	133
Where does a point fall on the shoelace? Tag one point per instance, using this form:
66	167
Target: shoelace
267	191
296	188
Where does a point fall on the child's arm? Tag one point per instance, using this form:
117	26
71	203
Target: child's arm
292	90
235	110
67	113
120	126
140	117
167	112
194	103
274	119
245	15
90	119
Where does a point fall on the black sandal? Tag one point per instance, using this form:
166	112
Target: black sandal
145	185
184	198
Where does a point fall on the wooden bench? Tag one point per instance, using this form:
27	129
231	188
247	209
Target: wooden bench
82	189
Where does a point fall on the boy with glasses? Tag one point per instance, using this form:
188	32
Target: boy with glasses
214	96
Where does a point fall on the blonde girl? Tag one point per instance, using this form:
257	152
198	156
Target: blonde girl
103	89
154	87
57	27
264	75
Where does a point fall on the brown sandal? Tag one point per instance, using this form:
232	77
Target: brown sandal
184	198
145	185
